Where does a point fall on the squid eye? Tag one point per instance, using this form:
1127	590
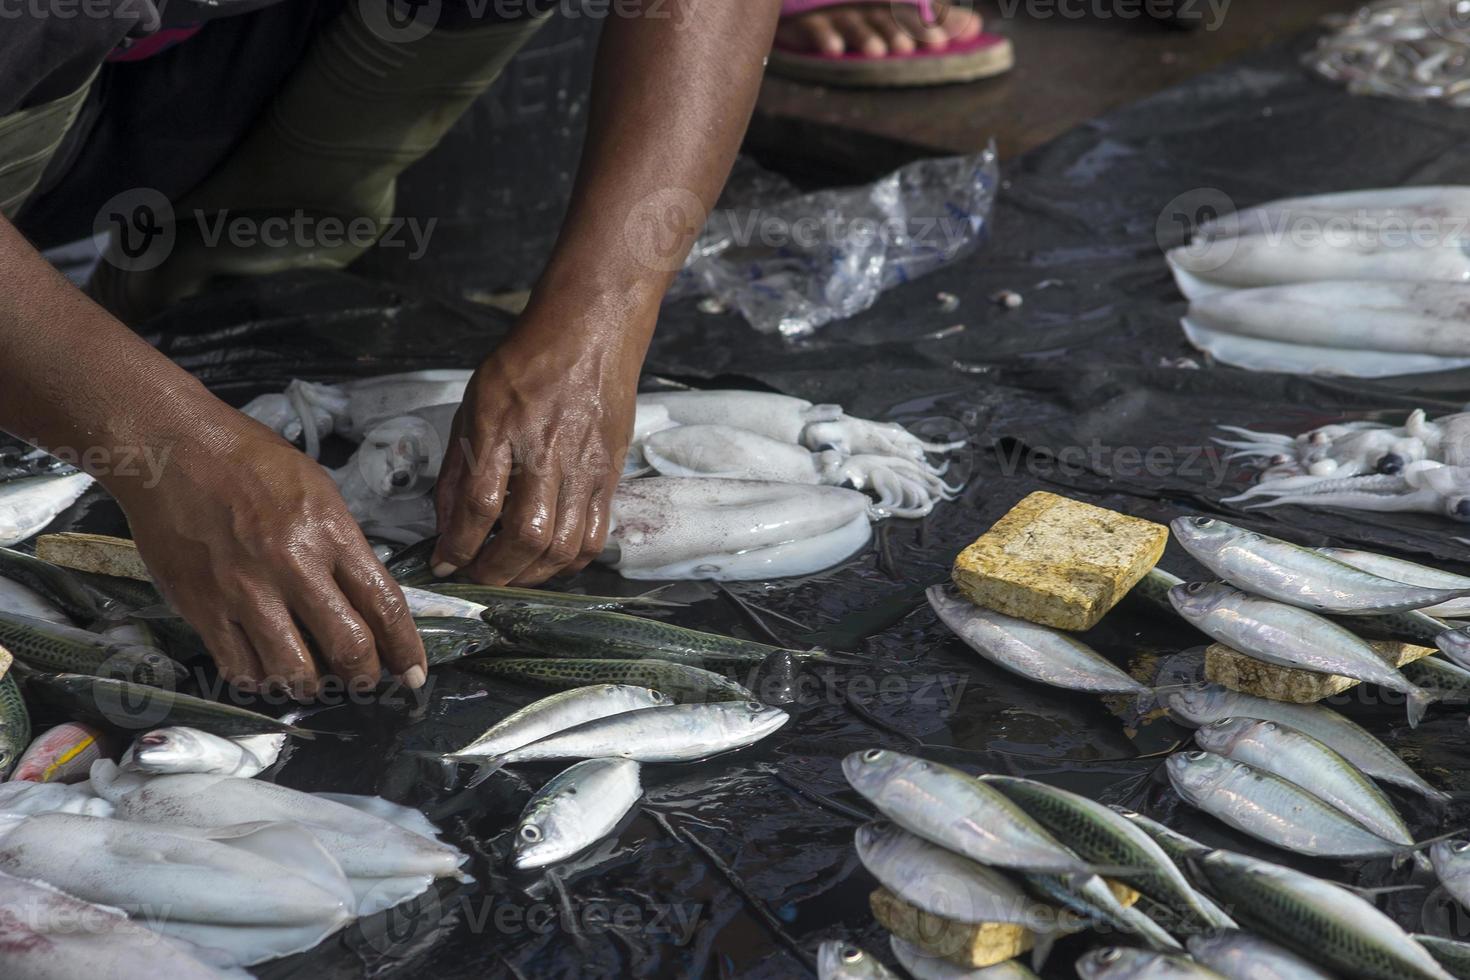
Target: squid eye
1461	510
400	479
851	954
1391	464
1201	522
1320	439
530	832
1196	756
1111	955
872	755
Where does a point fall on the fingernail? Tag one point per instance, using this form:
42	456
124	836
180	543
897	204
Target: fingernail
444	570
414	677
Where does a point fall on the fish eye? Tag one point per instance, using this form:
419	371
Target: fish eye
1391	464
1461	510
1111	955
1194	588
755	706
530	833
872	755
399	479
1201	522
1195	756
851	954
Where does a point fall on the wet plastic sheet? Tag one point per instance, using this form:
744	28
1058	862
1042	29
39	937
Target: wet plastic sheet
740	866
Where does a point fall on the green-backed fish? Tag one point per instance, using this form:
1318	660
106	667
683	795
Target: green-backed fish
1298	576
1105	838
67	649
1453	956
556	713
1287	636
1242	956
65	589
1450	683
1202	704
451	638
1037	653
1295	756
121	704
15	725
1272	810
681	682
1317	919
501	595
584	633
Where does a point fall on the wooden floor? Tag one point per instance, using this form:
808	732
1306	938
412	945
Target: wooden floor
1068	69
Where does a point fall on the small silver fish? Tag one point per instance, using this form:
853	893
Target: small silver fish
1409	573
179	750
1451	860
555	713
1119	963
575	810
844	961
1242	956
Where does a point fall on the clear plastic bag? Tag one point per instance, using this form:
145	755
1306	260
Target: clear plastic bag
798	263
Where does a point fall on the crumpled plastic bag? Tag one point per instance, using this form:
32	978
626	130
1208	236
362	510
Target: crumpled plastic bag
797	264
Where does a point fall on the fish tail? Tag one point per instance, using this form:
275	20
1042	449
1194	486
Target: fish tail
1042	943
1419	702
484	769
1149	931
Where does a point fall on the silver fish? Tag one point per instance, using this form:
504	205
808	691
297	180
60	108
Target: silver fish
1270	809
18	598
1242	956
558	712
1317	919
27	505
1273	747
1119	963
1451	860
844	961
1298	576
1206	703
1290	637
1035	652
926	966
575	810
179	749
1410	573
674	733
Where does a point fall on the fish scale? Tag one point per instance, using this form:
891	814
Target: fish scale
1319	920
679	681
586	633
66	649
1104	837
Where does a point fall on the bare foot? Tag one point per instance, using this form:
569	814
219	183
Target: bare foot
875	29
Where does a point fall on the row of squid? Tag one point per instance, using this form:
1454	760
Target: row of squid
1367	284
732	485
1421	466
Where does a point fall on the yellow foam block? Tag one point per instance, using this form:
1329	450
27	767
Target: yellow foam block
1239	672
1058	562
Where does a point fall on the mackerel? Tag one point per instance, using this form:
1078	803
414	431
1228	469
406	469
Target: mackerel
583	633
1242	956
1119	963
500	595
67	649
120	704
1320	920
844	961
1104	837
1298	576
1453	956
448	639
1206	703
556	713
15	724
575	810
1410	573
1034	652
1272	810
681	682
67	590
1296	757
1290	637
422	602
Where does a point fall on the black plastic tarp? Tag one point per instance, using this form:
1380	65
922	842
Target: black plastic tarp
741	865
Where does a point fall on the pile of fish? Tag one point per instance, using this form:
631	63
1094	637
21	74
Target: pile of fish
1422	466
1404	49
1006	851
1366	284
719	484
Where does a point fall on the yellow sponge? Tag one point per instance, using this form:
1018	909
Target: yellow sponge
1058	562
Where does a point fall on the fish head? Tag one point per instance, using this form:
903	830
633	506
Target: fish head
1205	535
762	718
1196	600
1198	704
1112	961
869	770
844	961
1451	858
142	665
1195	774
166	750
1220	735
876	836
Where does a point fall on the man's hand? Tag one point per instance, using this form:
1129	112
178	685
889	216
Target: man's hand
538	445
251	542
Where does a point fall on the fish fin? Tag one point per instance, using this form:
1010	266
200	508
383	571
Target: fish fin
1042	942
651	598
1362	892
1419	702
484	769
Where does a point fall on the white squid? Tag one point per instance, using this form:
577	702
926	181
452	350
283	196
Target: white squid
904	487
1397	234
794	420
1427	487
691	528
50	935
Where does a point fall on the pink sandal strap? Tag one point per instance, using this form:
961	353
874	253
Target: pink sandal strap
792	8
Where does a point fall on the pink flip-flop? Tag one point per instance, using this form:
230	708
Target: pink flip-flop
959	61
